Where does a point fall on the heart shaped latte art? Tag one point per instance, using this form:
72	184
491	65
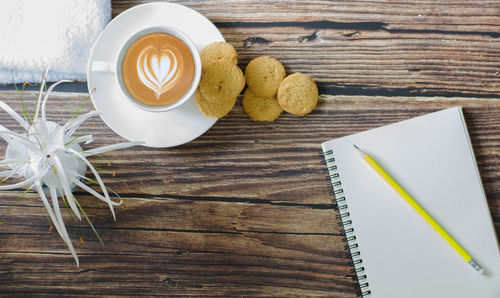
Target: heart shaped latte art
157	69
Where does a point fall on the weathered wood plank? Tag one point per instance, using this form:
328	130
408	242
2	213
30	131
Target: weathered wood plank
189	273
447	48
243	210
211	166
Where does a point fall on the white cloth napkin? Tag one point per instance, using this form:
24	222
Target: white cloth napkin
35	34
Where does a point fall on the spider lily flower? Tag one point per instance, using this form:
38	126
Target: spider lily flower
51	160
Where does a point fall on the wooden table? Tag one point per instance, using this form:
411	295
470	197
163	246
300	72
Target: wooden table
245	209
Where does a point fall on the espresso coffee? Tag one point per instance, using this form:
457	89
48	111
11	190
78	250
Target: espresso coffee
158	69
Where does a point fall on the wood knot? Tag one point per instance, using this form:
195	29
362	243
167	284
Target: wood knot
310	37
253	40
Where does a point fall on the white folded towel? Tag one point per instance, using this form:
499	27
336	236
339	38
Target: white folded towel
35	34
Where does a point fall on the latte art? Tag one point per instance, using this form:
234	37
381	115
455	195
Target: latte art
157	69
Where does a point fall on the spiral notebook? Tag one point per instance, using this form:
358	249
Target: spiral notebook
395	252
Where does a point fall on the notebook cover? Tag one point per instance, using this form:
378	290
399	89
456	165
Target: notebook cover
431	157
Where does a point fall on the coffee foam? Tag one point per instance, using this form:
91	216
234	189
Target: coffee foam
157	69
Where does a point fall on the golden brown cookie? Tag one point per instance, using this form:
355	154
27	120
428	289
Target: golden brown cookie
221	81
218	50
298	94
264	75
260	108
212	109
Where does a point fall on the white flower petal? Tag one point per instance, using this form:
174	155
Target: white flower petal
42	86
14	115
73	124
111	147
99	180
70	165
46	97
49	134
93	192
11	173
6	173
26	182
112	202
54	220
62	232
9	136
86	139
64	185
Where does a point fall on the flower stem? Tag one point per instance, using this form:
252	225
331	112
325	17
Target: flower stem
21	96
81	106
71	215
88	220
77	137
13	204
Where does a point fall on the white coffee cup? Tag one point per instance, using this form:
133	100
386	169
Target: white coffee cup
115	67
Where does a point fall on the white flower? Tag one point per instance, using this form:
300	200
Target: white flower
51	160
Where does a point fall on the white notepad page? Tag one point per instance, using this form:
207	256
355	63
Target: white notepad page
431	157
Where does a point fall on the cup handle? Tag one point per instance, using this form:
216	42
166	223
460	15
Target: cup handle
103	66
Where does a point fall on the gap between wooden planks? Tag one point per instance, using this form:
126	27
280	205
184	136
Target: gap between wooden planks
243	210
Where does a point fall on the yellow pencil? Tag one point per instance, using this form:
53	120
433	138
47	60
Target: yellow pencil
459	249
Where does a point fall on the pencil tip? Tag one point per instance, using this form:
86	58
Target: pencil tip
361	152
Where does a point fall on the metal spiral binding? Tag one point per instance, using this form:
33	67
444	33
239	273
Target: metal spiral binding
349	237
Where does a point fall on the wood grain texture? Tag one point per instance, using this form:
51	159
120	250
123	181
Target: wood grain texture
245	209
445	48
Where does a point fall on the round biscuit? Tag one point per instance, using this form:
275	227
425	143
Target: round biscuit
264	75
221	81
218	50
298	94
260	108
211	109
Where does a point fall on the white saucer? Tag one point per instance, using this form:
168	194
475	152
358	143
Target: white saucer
156	129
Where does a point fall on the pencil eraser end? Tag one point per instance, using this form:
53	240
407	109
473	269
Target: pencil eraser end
476	266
